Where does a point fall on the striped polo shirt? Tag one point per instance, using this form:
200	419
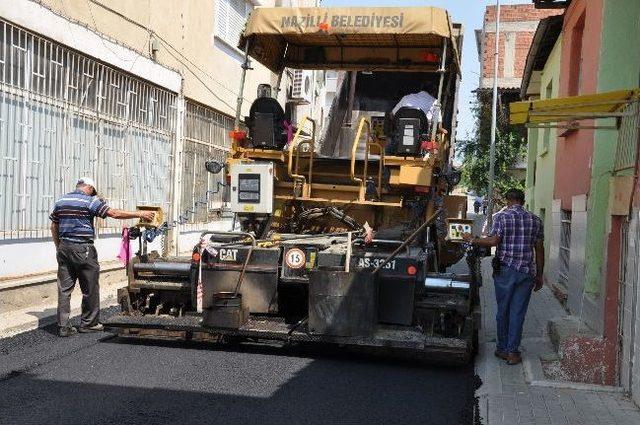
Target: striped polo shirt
74	213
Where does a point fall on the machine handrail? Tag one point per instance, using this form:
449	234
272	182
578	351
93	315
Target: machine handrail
380	163
294	145
312	144
368	143
354	149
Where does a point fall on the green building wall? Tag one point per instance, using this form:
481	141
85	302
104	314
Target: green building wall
541	155
532	158
619	68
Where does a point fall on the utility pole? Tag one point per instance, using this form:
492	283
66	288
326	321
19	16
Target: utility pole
494	108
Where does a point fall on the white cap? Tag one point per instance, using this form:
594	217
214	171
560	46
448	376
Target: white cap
87	180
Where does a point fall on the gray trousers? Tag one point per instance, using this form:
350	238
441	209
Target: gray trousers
78	262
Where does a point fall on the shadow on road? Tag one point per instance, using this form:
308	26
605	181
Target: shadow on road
166	382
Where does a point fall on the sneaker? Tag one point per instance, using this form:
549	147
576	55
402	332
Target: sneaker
95	328
65	331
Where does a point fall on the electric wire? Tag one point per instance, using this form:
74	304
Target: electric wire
151	233
106	46
171	47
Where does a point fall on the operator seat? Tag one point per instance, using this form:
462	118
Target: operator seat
266	121
410	124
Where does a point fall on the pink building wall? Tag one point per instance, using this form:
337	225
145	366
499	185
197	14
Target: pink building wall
578	75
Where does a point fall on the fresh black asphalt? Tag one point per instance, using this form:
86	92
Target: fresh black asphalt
101	379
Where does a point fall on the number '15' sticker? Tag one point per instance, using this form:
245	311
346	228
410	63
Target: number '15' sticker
295	258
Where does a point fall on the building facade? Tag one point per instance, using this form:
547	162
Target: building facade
518	23
136	94
541	81
630	293
615	202
594	240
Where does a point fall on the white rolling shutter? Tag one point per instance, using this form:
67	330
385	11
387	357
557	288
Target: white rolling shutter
231	16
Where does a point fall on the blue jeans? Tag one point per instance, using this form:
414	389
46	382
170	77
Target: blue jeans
513	291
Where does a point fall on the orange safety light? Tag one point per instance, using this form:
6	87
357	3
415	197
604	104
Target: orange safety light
429	146
238	135
412	270
430	57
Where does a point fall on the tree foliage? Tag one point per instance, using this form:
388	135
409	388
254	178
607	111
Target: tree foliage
510	146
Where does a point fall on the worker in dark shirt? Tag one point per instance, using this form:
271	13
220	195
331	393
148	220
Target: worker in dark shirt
73	234
518	269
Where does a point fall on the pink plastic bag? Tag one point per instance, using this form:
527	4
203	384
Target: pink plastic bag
125	248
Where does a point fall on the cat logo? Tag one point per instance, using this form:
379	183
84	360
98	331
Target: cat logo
228	254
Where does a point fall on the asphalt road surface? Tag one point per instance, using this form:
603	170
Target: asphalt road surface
100	379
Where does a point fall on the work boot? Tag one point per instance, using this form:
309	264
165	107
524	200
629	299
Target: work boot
500	354
514	358
65	331
95	328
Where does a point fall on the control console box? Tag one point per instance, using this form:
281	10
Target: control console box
252	188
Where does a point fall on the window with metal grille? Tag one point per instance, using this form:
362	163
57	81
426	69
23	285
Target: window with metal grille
565	248
626	147
231	16
206	134
64	114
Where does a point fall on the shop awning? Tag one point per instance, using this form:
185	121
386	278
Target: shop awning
575	108
359	38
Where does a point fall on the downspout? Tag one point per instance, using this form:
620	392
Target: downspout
636	171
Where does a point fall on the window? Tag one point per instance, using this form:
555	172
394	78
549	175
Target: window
231	16
508	63
575	57
565	248
532	145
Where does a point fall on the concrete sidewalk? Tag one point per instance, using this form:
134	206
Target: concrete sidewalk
521	394
42	311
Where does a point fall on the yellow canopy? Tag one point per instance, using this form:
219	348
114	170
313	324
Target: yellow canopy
359	38
601	105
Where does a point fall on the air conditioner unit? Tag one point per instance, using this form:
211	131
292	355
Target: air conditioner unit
301	92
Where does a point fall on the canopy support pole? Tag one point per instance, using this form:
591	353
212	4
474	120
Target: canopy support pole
442	71
279	82
243	76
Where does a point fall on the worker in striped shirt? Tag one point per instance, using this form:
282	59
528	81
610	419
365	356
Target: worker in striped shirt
73	234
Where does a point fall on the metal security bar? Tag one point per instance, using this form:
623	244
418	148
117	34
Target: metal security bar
628	138
565	248
64	115
206	138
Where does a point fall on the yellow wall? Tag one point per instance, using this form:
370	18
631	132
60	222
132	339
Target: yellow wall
184	33
541	159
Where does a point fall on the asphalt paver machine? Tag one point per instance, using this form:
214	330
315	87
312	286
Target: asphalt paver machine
343	230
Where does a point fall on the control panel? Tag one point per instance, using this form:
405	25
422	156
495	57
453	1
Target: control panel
456	227
252	188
